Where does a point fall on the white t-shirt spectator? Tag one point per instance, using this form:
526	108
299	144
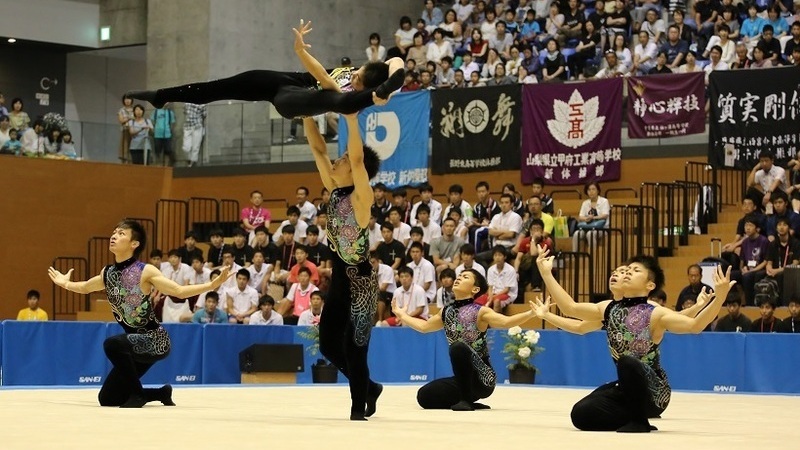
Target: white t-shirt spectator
182	275
299	231
437	52
423	273
475	266
375	236
766	179
440	298
463	11
603	208
386	276
499	280
435	215
710	67
411	299
307	318
242	300
430	232
257	318
256	277
307	211
380	55
406	37
402	233
506	221
199	278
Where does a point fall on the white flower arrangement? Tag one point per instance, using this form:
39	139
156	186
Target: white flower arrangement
521	347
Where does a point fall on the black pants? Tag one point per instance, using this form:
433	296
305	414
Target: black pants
123	380
137	156
345	326
163	149
463	385
294	94
616	404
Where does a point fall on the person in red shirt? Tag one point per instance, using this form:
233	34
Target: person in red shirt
527	253
301	255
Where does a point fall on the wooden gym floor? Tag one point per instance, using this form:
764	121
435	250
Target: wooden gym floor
310	417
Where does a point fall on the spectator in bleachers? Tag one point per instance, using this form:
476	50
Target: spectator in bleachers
500	78
301	261
760	60
619	21
423	29
659	297
675	48
241	300
661	64
386	285
792	44
753	256
517	205
530	29
318	253
299	227
375	52
685	32
524	78
572	27
430	229
242	253
765	178
614	67
200	273
535	213
477	47
585	52
644	55
514	62
446	76
432	15
791	324
33	312
593	216
751	27
555	66
537	190
401	203
444	295
260	272
461	229
374	228
726	45
729	17
403	39
489	25
51	144
210	313
458	80
401	230
254	216
653	26
475	80
265	315
5	128
312	315
502	40
182	274
781	210
455	192
512	26
468	66
201	299
426	198
439	48
423	271
742	61
390	250
553	23
382	205
527	251
12	146
779	25
735	321
409	296
324	205
452	30
463	9
770	46
489	67
502	280
691	64
467	255
298	298
445	249
189	251
263	242
484	210
530	60
429	82
767	323
783	251
31	140
416	236
695	287
155	258
418	52
705	16
308	212
67	145
716	62
18	118
748	209
503	230
285	256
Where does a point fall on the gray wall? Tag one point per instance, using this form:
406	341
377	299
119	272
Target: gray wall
127	19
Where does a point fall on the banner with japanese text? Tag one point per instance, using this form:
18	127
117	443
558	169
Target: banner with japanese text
572	133
752	111
398	132
475	130
666	105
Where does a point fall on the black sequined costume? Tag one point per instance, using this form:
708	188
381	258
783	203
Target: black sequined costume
346	321
294	94
473	376
144	343
642	389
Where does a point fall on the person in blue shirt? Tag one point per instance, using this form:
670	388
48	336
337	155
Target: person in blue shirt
779	25
751	27
12	146
163	119
210	313
675	48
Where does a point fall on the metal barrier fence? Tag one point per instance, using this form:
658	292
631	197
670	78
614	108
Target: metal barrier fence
68	303
729	184
609	253
229	215
172	223
639	229
203	217
149	226
574	272
672	214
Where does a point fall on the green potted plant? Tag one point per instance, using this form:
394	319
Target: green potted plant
520	348
321	371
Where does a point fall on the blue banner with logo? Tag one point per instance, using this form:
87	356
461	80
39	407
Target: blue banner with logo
398	132
184	365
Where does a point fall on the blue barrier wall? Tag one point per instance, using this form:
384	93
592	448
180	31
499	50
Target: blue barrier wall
71	353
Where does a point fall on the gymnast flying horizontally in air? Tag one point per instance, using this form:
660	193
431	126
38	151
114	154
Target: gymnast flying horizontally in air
635	329
295	94
128	284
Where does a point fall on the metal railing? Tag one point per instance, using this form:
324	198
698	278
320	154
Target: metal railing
672	214
68	303
98	254
609	253
638	225
575	272
172	223
730	185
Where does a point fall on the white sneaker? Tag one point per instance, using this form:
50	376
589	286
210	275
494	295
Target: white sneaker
335	138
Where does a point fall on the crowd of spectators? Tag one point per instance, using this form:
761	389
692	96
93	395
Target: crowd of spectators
42	137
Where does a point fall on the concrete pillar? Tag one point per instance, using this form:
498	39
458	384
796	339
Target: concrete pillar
127	19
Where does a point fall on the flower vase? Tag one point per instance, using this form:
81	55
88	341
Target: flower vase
324	372
521	375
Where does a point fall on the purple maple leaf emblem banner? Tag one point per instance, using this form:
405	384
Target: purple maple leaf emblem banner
572	133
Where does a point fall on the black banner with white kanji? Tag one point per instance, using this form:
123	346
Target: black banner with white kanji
752	111
476	129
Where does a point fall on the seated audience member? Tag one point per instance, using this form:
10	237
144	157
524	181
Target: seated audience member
409	296
535	212
322	225
430	229
503	229
444	295
659	297
592	217
416	236
260	272
661	65
301	256
456	202
285	256
767	323
374	229
386	285
502	280
255	216
781	209
298	298
749	209
310	316
403	206
735	321
200	273
461	228
695	273
318	253
210	313
783	251
265	315
675	48
308	212
299	227
201	299
401	230
242	300
434	207
391	251
753	258
242	253
227	260
182	274
218	245
188	251
791	324
445	249
764	179
423	270
537	190
32	312
527	251
467	253
156	258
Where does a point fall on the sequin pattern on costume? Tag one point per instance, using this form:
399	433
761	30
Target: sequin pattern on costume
460	320
343	77
345	237
627	324
133	310
363	304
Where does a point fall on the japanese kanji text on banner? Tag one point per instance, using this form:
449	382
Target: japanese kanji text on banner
666	105
475	130
571	133
752	111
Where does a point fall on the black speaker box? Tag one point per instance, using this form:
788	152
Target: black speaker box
271	358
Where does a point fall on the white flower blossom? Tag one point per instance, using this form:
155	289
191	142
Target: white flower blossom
532	337
514	331
524	352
